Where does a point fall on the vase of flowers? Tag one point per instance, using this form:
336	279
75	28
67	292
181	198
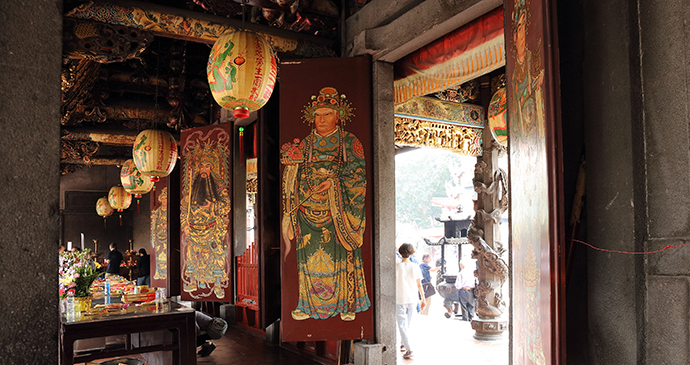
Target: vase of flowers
77	273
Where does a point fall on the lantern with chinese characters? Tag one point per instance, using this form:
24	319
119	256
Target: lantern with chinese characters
241	72
133	182
119	199
155	153
104	209
497	117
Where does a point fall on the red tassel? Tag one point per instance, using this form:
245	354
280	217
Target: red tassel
120	220
105	224
138	212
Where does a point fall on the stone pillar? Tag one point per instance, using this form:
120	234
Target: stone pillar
484	234
30	66
383	200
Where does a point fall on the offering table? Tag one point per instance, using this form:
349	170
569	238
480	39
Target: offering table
171	316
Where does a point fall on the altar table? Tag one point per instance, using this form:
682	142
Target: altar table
172	316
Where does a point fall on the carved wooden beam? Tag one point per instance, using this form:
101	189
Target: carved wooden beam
98	137
124	111
101	161
101	42
198	27
431	134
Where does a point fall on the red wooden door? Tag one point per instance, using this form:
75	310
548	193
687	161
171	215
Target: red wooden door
326	248
536	199
205	208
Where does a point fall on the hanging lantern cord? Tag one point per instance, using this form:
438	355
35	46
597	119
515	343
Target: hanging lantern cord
244	4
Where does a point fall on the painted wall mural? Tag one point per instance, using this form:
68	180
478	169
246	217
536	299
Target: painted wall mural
205	213
325	244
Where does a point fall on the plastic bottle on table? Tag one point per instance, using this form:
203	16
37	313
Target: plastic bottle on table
69	307
107	291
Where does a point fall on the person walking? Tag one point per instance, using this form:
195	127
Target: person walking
427	285
465	284
408	294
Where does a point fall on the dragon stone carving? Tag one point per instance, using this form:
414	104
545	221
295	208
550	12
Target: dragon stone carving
490	258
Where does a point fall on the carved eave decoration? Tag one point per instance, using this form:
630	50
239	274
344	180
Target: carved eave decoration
78	78
182	24
102	43
316	17
429	122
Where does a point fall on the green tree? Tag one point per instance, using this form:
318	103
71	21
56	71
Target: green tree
420	175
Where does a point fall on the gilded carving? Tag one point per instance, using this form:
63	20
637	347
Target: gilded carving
252	185
78	78
425	108
447	136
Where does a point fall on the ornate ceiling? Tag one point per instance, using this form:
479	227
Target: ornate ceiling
134	65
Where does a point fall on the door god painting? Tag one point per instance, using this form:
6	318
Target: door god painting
323	221
159	236
204	213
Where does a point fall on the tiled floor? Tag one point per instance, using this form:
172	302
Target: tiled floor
435	340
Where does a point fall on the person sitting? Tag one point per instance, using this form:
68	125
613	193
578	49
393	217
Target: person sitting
213	328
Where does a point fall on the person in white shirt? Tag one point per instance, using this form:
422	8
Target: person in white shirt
465	284
409	290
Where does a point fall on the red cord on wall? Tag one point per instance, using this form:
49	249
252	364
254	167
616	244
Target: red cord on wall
631	252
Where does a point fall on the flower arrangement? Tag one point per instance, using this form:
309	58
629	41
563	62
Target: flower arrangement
77	272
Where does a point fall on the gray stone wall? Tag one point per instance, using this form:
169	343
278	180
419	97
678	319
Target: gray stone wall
30	59
611	110
636	115
665	74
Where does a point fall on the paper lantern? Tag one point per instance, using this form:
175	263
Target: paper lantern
497	117
104	209
155	153
241	72
132	180
119	198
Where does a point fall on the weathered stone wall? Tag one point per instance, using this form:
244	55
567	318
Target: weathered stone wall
30	60
636	114
665	46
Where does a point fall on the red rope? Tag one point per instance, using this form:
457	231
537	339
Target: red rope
632	252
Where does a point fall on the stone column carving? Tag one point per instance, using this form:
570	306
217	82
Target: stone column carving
484	234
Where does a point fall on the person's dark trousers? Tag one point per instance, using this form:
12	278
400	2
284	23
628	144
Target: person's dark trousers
467	302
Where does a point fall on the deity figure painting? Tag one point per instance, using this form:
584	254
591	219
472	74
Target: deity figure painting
159	236
324	191
528	155
204	214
